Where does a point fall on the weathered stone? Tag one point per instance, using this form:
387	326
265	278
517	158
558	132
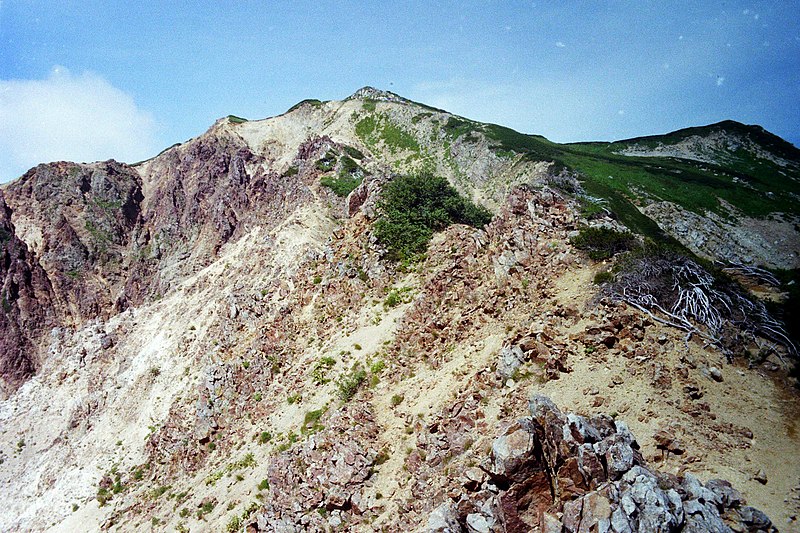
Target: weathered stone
510	452
511	358
666	440
478	523
444	519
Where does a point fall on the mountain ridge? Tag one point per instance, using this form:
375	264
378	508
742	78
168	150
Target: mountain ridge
222	341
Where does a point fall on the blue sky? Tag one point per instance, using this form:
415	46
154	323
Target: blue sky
87	80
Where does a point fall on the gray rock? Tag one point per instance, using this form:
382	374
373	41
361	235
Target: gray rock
755	519
540	405
444	519
509	452
477	523
511	358
652	504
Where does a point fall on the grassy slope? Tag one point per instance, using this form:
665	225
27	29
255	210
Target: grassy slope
755	186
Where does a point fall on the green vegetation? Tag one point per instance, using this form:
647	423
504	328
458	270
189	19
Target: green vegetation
346	180
602	243
456	127
248	461
754	185
214	477
205	508
341	185
234	524
355	153
373	129
326	163
603	277
313	102
159	491
412	208
264	437
108	205
349	384
311	421
263	484
319	374
236	120
397	296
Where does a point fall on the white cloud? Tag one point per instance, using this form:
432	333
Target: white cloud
720	80
69	117
560	44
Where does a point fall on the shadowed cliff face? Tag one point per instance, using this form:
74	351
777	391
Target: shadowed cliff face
26	297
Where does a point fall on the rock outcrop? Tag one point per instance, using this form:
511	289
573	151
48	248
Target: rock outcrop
26	312
564	473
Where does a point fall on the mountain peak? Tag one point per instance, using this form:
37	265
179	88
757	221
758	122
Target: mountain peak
371	93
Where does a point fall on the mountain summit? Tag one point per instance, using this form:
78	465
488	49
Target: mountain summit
370	314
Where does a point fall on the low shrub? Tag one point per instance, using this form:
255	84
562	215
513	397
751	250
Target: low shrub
412	208
602	243
349	384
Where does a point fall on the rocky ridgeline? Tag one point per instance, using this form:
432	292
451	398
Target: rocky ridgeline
556	472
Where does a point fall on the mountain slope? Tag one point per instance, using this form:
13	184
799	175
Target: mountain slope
221	341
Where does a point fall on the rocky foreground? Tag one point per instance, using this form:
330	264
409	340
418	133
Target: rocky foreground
554	472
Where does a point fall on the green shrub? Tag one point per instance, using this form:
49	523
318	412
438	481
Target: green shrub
397	296
103	495
320	370
341	185
348	166
158	492
412	208
602	243
311	421
264	437
603	277
355	153
349	384
327	162
205	508
263	485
